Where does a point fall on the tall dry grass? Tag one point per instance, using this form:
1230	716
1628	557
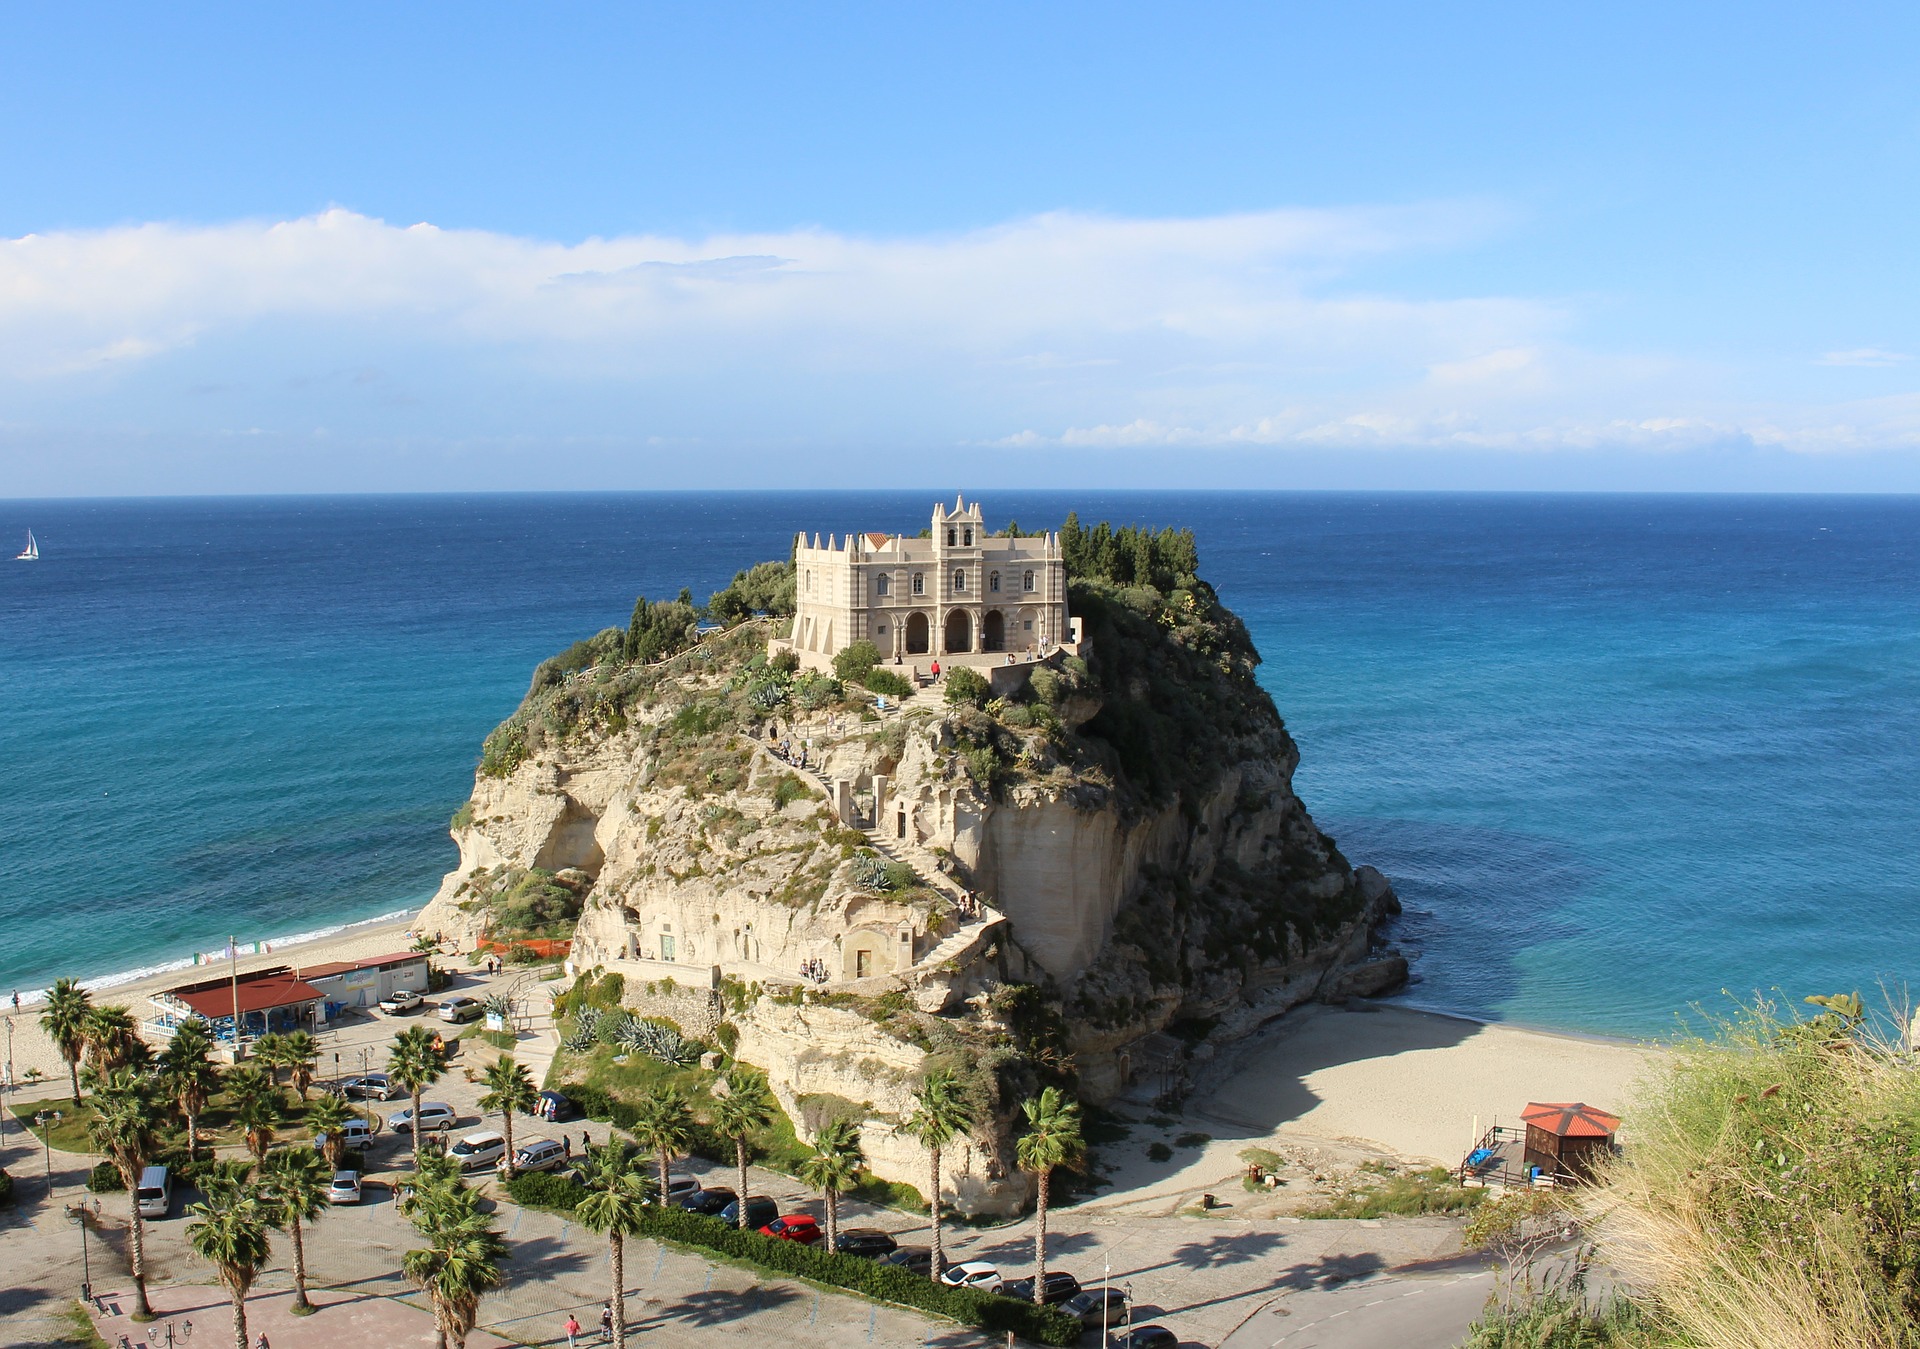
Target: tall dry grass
1771	1195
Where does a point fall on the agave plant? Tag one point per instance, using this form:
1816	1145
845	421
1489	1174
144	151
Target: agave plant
586	1029
497	1004
656	1041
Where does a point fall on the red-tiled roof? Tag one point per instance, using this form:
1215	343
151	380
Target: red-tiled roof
878	540
1571	1119
331	968
256	995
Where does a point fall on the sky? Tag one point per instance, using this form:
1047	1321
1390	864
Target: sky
489	247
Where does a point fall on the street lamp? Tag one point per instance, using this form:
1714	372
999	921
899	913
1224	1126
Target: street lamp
77	1215
154	1331
46	1119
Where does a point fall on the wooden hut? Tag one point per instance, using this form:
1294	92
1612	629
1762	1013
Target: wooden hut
1565	1138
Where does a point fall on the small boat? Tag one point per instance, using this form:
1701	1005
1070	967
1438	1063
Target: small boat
31	553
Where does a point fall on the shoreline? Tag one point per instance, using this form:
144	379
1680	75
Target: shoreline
261	950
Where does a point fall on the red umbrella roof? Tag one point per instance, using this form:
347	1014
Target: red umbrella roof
1571	1119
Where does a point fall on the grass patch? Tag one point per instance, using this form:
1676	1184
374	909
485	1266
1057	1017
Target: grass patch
80	1331
503	1040
68	1133
1561	1320
1378	1192
1193	1140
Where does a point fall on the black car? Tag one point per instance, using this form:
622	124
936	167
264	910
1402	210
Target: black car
870	1242
1147	1337
555	1106
1060	1286
1096	1307
709	1201
760	1211
913	1259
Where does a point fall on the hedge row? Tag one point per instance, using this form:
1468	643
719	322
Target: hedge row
882	1282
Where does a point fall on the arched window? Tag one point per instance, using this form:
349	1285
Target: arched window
949	538
1026	582
809	583
880	585
959	583
968	540
919	583
993	582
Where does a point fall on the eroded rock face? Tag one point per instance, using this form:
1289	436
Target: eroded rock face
1204	896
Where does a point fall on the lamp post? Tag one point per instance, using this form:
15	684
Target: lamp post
154	1333
78	1215
46	1119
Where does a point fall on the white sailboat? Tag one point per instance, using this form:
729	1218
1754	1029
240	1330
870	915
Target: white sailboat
31	553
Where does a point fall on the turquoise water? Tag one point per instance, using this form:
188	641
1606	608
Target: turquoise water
1618	753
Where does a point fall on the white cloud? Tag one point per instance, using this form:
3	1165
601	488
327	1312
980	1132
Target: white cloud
1867	356
1062	330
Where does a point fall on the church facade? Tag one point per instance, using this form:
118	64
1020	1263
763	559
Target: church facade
960	595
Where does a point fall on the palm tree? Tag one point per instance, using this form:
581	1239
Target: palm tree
615	1204
939	1116
328	1118
746	1108
461	1260
663	1122
413	1065
1052	1139
232	1235
256	1106
299	1052
65	1022
126	1126
113	1039
188	1076
509	1089
295	1180
270	1051
834	1166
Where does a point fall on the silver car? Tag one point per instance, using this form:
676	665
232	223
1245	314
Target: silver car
345	1188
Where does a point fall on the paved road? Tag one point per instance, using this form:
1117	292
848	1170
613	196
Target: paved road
1420	1312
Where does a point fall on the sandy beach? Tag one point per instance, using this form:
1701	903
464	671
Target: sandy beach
1369	1079
32	1049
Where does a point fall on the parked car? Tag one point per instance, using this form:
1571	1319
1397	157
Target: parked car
708	1200
402	1002
1060	1286
760	1211
556	1107
1098	1307
372	1087
678	1186
870	1242
913	1259
477	1150
359	1133
800	1227
539	1154
972	1274
456	1010
434	1115
344	1188
156	1192
1146	1337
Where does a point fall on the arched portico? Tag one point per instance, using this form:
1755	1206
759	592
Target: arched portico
993	632
917	633
958	631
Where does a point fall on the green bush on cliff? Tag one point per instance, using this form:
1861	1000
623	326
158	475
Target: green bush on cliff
887	683
853	662
766	587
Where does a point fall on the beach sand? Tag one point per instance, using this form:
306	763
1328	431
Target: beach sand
32	1049
1369	1079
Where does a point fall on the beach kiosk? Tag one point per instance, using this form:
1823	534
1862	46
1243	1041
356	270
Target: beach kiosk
1565	1138
266	1000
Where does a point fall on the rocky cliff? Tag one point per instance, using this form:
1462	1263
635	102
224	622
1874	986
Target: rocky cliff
1029	887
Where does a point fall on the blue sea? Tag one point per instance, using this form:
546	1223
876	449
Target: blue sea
1618	753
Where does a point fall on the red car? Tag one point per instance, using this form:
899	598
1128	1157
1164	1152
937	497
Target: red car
794	1227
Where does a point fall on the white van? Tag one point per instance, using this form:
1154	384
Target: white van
156	1192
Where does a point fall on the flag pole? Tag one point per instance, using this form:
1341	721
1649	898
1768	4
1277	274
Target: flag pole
233	957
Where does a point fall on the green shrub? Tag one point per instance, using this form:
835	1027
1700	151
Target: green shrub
1159	1152
966	685
1558	1319
462	818
785	662
786	790
888	683
885	1283
1378	1193
853	663
105	1179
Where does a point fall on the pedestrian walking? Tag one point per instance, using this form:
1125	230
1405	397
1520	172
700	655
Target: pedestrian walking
566	1146
16	999
261	1343
573	1329
586	1142
606	1324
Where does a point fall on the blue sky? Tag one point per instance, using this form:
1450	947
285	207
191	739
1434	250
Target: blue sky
1283	245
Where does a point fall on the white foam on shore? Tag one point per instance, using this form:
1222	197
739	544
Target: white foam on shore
107	981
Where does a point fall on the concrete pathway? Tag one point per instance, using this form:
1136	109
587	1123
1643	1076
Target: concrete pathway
343	1319
1412	1312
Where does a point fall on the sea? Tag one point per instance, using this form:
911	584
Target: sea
1625	758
